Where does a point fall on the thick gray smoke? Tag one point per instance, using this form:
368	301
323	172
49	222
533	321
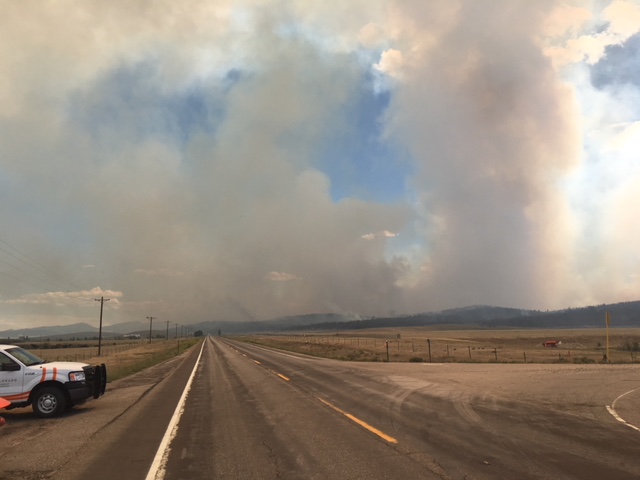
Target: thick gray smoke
254	159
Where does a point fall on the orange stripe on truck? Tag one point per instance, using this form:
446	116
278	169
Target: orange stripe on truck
55	374
44	375
17	397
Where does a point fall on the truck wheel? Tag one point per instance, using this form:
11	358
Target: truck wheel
48	402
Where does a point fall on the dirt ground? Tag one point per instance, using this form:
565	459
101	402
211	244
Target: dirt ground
469	346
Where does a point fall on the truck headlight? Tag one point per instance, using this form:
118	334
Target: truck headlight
76	377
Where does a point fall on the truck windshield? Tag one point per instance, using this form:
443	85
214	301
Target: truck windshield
27	358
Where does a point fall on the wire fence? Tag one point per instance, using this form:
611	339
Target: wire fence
82	354
381	348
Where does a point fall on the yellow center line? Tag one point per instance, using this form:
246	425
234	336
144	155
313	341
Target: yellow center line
362	423
275	373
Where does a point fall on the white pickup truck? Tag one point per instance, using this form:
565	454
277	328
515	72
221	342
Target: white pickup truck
49	387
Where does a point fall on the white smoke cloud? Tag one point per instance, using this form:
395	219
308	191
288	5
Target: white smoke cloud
176	155
383	234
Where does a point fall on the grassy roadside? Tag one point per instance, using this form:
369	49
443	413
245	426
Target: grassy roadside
121	358
461	346
316	349
123	364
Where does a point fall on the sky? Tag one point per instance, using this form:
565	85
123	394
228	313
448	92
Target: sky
249	159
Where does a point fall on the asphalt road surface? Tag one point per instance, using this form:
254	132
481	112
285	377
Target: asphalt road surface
255	413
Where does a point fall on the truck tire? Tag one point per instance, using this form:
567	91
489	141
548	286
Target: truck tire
48	402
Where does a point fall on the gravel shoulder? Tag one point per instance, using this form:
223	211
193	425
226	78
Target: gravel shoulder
579	389
34	448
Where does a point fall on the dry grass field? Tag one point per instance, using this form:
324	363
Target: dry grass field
470	346
122	357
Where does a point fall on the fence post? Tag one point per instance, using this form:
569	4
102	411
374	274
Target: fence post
525	356
387	345
469	347
429	344
495	352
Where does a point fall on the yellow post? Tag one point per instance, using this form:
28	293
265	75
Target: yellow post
608	321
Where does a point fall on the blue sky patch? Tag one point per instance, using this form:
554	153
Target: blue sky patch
130	104
359	162
619	66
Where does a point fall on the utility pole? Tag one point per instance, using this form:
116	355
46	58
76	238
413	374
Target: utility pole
150	324
167	329
101	300
608	322
176	331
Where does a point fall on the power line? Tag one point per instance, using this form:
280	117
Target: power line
25	282
28	273
35	265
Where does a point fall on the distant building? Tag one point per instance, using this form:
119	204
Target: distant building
134	336
552	343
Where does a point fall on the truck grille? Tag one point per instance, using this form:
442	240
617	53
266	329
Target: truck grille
96	377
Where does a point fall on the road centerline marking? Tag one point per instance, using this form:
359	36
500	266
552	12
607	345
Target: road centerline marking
362	423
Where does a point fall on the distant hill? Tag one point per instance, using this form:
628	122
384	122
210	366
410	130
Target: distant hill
78	330
625	314
127	327
38	332
457	316
273	325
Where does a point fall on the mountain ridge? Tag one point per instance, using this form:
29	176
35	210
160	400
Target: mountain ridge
624	314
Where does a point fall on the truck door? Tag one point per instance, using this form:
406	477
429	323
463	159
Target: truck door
11	379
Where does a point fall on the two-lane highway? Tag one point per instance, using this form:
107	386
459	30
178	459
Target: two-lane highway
246	420
255	413
243	411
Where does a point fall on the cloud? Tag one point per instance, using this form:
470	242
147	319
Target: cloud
570	44
281	277
65	298
177	155
383	233
623	17
391	62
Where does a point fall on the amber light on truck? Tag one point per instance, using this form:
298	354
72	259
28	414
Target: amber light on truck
76	377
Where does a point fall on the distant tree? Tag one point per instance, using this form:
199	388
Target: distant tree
197	333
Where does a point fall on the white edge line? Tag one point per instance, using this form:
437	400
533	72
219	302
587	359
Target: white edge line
611	409
157	470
